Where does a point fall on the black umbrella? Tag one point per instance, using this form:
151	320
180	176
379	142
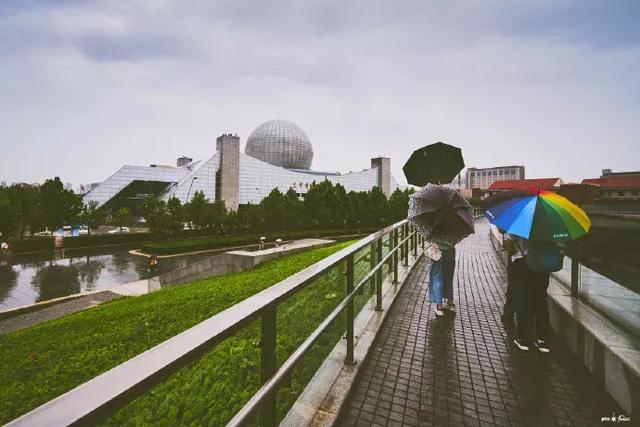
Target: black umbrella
436	163
441	214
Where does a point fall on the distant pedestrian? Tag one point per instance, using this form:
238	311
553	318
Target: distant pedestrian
443	262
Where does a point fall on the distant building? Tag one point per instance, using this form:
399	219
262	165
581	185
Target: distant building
617	185
552	184
483	177
68	186
277	154
3	184
580	194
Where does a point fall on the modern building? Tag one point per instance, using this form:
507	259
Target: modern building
552	184
278	154
483	177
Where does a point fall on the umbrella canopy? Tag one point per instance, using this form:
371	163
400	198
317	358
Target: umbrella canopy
440	214
538	215
436	163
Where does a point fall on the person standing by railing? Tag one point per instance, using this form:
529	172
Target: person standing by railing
532	263
443	263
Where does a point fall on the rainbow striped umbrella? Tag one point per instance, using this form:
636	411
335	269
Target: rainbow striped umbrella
538	215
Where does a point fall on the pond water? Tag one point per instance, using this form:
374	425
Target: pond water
26	279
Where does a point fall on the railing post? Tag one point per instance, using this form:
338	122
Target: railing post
576	257
406	245
268	364
379	277
395	256
415	244
350	310
372	260
421	242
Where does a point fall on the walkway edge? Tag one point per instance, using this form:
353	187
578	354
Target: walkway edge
322	400
608	351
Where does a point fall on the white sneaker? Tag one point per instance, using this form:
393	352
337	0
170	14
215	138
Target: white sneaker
439	312
451	306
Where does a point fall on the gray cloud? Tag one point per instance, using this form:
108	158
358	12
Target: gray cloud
87	86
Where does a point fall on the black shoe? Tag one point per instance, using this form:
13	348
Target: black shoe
522	344
542	346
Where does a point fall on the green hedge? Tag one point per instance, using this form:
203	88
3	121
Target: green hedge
56	356
34	244
215	242
106	239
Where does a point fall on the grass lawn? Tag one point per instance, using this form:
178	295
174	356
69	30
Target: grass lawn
47	360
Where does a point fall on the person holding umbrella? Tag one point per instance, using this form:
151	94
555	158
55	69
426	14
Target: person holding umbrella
440	214
536	221
444	217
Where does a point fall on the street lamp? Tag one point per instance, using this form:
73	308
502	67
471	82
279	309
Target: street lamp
190	185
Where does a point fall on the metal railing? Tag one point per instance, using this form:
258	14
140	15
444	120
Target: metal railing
98	398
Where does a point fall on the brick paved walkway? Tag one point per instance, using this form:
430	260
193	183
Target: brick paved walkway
464	369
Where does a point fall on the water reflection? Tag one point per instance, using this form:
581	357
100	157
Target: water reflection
56	281
25	279
89	272
7	280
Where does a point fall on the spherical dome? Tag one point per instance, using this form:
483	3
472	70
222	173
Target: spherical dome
280	143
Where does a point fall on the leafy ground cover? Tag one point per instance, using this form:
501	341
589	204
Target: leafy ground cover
44	361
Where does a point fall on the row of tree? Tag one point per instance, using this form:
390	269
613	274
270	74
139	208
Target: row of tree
30	209
325	206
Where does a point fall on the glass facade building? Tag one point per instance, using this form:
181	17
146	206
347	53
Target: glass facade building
269	149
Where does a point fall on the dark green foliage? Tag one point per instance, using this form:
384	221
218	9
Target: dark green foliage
9	218
92	216
106	239
33	244
122	218
57	205
51	358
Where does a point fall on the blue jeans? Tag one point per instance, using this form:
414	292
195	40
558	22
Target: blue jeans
441	277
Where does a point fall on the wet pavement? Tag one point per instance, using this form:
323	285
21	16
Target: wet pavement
464	369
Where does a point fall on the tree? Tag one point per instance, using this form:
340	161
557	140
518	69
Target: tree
92	215
122	218
57	205
378	215
175	215
26	200
273	209
398	205
153	210
195	210
215	215
9	217
357	212
293	211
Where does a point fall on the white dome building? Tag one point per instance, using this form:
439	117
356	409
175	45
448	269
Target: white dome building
278	154
280	143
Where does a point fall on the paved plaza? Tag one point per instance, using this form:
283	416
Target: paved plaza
464	369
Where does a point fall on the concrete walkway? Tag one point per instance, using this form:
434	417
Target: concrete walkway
50	312
464	369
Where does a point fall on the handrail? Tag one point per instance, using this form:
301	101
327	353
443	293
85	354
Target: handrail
267	389
118	386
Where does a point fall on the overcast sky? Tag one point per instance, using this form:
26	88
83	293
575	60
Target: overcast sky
87	86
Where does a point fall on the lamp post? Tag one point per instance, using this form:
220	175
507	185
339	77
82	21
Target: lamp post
190	185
